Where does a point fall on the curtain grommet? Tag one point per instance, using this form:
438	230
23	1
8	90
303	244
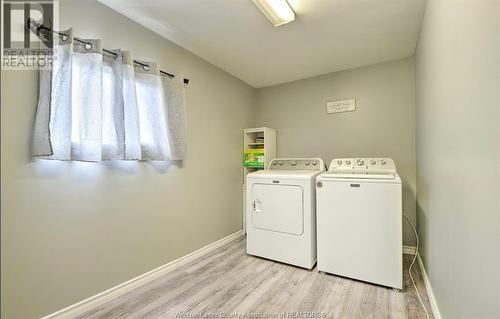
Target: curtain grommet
88	46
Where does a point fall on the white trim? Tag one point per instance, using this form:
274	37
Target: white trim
410	250
99	299
430	293
258	129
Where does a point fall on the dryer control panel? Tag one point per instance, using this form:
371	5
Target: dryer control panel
360	163
310	164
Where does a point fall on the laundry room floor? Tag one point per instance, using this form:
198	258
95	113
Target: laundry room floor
227	283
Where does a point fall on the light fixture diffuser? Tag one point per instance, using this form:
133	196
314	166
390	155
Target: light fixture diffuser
278	12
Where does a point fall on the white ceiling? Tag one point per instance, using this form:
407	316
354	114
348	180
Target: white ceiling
327	35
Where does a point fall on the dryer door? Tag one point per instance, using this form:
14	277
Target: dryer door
278	208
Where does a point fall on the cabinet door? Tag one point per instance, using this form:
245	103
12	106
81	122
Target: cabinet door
278	208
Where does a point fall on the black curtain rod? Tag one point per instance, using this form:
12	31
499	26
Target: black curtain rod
32	24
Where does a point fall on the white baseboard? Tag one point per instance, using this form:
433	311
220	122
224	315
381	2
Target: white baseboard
410	250
430	293
99	299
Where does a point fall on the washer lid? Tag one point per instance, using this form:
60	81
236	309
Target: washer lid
344	174
360	177
362	169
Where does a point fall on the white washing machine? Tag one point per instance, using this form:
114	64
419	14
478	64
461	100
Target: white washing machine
281	215
359	221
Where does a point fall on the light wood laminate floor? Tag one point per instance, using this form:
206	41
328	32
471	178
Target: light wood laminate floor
228	283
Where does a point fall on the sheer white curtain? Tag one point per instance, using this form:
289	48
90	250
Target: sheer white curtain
97	106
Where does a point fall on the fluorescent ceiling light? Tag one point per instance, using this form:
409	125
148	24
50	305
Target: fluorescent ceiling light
277	11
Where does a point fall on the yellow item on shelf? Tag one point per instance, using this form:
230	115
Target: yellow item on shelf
253	158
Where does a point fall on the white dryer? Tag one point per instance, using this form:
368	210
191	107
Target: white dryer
359	221
281	215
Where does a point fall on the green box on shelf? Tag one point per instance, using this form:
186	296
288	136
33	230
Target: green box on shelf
253	158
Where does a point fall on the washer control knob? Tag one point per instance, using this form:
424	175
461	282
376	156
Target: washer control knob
373	162
383	162
307	163
275	163
339	162
315	163
280	162
348	162
293	163
360	162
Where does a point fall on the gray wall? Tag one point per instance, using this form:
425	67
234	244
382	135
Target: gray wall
382	126
458	155
71	230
